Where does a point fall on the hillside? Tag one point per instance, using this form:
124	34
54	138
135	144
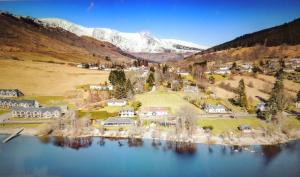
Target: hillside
288	33
22	37
278	42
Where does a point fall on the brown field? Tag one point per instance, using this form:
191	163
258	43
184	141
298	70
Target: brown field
47	79
262	82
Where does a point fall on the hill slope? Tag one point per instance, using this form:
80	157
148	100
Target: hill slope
19	35
288	33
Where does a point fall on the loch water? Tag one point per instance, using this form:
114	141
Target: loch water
98	157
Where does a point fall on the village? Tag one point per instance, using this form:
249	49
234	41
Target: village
196	103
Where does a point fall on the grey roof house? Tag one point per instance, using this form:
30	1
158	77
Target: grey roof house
10	93
47	112
10	103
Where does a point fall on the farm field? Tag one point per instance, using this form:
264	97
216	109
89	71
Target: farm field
260	86
221	125
47	79
165	99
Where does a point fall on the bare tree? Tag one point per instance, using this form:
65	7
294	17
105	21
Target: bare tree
186	120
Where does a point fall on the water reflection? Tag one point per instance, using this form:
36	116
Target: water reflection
270	152
135	142
73	143
180	147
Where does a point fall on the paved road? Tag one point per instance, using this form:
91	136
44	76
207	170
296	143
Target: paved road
5	117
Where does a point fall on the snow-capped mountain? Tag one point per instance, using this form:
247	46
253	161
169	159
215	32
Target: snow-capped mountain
130	42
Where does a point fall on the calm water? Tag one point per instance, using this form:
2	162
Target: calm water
29	156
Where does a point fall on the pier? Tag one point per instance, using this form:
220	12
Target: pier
13	135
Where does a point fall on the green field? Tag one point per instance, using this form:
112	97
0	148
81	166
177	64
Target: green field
164	99
3	111
19	125
221	125
46	100
96	114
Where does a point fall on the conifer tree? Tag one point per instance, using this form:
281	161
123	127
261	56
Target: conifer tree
242	97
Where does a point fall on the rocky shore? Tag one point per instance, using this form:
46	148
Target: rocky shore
203	138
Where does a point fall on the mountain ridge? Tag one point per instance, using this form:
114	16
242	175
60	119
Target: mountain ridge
24	34
130	42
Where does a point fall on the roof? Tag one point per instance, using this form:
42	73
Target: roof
155	109
126	110
244	127
16	90
46	109
211	106
18	101
116	101
118	120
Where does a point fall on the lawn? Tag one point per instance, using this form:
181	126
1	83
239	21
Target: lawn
164	99
3	111
217	77
221	125
96	114
46	100
30	119
19	125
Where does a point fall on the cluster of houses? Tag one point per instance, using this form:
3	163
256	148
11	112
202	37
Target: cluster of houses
10	93
39	112
100	87
26	108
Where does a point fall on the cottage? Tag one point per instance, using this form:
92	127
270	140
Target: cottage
246	68
154	112
9	103
101	87
126	112
245	128
114	102
261	106
297	104
48	112
190	89
118	121
223	70
209	108
10	93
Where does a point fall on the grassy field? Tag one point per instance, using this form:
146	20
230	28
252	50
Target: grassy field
164	99
221	125
46	100
96	114
19	125
3	111
40	78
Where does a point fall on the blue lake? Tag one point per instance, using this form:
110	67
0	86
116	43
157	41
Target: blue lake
96	157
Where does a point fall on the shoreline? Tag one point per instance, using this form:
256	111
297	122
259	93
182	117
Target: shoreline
203	139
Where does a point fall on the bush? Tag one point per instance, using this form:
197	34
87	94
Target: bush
208	127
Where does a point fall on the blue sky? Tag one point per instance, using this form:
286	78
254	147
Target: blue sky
206	22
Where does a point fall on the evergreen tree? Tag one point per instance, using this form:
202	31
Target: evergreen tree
279	74
129	88
242	98
298	96
120	92
117	77
277	101
151	79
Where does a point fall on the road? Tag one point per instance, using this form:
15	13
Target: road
5	117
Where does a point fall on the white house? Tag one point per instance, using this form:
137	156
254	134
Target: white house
153	112
246	68
126	112
190	89
114	102
223	70
261	106
48	112
101	87
209	108
297	104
